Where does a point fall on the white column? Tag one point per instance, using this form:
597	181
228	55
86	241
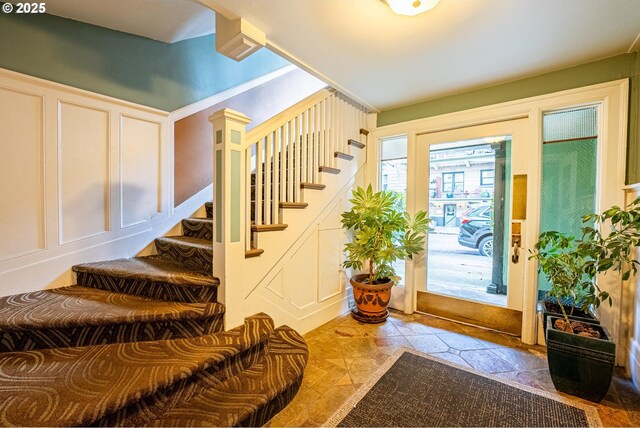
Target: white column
229	211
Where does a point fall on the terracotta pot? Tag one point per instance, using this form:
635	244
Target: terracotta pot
371	300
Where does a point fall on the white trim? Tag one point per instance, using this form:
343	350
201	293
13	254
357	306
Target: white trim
48	84
190	109
635	45
495	112
613	99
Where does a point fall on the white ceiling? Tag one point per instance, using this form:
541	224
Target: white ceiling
168	21
387	60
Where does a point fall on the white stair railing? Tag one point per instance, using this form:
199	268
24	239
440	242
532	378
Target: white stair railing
258	172
290	149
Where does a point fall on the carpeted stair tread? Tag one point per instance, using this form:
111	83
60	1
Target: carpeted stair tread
208	206
82	385
252	397
198	227
78	305
187	250
152	268
82	316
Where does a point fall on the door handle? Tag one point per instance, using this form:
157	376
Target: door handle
515	257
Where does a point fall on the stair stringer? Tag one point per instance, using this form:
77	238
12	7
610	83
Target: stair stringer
268	282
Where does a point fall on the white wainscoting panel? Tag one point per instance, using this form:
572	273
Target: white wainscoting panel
298	280
74	167
276	286
140	153
329	260
301	273
21	172
83	168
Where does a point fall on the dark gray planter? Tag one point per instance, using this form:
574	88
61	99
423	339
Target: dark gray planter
579	365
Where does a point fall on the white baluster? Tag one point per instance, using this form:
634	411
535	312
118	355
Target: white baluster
247	198
258	189
303	147
268	155
290	180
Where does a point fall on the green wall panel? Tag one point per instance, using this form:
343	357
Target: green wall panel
568	188
218	196
235	196
236	137
121	65
614	68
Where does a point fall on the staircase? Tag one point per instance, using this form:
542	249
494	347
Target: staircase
273	185
140	341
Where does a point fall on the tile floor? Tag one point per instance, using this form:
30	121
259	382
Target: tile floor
343	352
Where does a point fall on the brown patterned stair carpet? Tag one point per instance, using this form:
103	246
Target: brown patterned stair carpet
191	252
198	228
81	316
139	342
81	386
154	276
252	397
208	206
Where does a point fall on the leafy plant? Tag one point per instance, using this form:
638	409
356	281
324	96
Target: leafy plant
382	233
572	266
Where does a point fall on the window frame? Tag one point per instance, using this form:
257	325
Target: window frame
453	181
482	178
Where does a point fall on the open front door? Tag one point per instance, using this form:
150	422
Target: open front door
473	182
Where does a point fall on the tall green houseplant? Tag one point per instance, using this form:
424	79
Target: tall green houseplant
382	234
572	266
580	353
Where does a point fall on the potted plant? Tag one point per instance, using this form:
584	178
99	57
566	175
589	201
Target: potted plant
580	354
382	234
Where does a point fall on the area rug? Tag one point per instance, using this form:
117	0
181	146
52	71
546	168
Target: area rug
413	389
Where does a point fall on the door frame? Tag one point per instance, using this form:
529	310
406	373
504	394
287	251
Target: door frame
520	164
612	100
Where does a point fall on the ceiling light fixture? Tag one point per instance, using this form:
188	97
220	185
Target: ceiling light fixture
411	7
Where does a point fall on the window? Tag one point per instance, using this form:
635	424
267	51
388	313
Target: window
393	176
487	177
452	181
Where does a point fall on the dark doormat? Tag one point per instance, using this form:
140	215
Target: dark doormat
413	389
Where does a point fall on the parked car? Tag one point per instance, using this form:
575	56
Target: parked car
476	230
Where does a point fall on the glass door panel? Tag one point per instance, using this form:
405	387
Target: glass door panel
473	181
469	185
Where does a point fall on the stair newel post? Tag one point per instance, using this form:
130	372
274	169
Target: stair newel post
229	215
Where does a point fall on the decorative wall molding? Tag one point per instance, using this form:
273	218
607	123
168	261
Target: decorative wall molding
48	84
77	173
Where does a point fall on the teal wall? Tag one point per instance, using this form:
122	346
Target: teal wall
614	68
161	75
